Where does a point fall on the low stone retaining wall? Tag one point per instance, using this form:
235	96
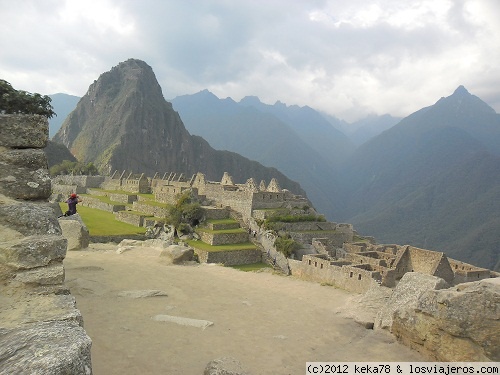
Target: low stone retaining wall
96	203
117	239
132	218
223	226
150	209
97	192
229	258
215	213
350	278
335	238
66	190
122	198
223	238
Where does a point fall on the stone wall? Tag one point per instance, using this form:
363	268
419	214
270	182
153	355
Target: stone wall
215	213
214	239
150	209
229	258
131	218
465	272
320	269
96	203
32	250
122	198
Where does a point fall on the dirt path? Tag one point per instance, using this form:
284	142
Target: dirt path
272	324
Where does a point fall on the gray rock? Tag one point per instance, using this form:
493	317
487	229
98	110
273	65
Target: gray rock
46	348
31	159
75	231
459	324
33	251
224	366
30	218
34	308
22	183
142	293
405	296
177	254
49	275
24	131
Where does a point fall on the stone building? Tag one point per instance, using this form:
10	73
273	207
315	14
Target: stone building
364	265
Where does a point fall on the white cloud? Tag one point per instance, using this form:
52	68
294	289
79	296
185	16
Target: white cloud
347	57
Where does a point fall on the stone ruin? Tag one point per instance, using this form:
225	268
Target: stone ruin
414	281
41	330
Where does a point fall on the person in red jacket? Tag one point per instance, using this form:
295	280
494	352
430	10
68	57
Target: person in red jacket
72	201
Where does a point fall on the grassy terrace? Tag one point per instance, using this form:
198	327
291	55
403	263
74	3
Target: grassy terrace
103	223
221	221
251	267
104	199
154	203
238	246
235	230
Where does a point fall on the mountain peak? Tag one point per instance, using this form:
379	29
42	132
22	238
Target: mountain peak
250	100
461	90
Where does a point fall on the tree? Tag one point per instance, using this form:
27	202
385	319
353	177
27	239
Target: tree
14	101
73	167
185	212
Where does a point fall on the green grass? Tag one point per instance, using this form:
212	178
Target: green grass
221	221
105	199
237	246
149	196
103	223
251	267
235	230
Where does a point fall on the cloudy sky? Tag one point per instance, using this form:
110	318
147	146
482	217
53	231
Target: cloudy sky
346	57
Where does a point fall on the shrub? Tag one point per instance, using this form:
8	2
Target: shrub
17	101
286	245
186	211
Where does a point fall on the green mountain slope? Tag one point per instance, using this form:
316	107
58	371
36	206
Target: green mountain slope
432	181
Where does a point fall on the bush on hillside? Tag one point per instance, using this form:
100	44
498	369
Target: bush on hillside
286	245
73	167
186	211
14	101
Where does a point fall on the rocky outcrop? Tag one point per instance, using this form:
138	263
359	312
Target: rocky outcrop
459	324
75	231
405	296
176	254
41	330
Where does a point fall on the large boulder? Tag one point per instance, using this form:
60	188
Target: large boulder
460	324
405	296
59	347
75	231
177	254
32	251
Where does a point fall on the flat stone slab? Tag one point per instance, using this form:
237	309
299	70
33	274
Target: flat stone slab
183	321
142	293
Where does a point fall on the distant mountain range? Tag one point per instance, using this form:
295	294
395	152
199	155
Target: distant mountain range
431	179
63	105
